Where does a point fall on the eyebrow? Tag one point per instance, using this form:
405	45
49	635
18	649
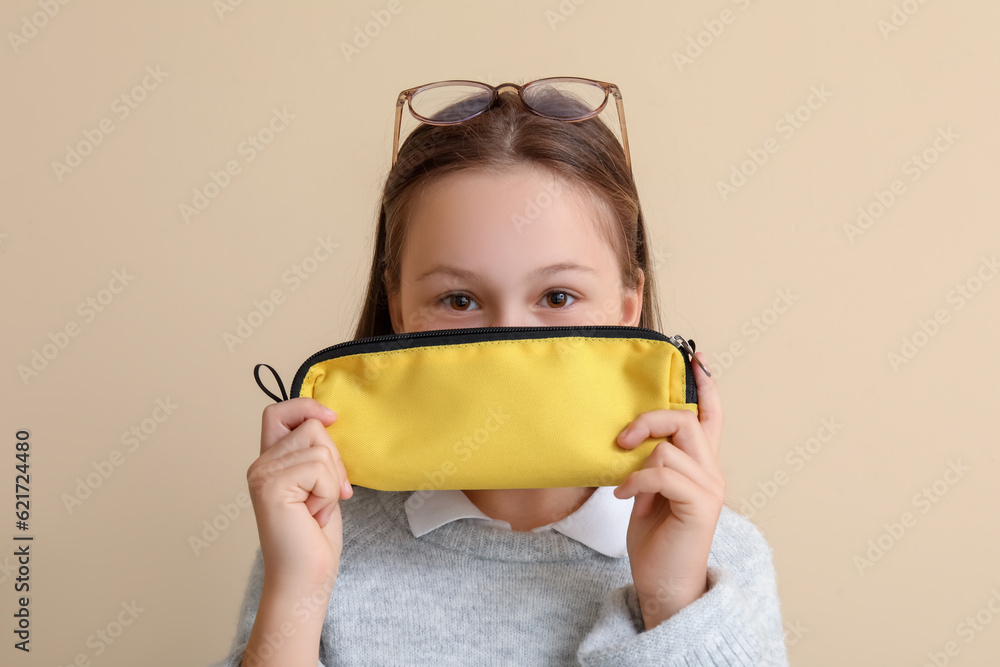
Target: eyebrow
539	272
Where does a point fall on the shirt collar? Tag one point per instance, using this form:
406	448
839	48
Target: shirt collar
601	523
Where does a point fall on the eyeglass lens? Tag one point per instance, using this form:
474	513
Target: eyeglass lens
557	99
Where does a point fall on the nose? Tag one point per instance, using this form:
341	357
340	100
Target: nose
510	318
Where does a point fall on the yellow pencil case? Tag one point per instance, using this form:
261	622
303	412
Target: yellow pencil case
495	407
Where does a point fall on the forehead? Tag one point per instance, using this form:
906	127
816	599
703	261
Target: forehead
505	226
527	202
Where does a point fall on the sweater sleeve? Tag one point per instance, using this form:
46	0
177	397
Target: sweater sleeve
737	621
248	612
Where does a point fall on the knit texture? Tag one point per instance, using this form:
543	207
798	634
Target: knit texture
468	593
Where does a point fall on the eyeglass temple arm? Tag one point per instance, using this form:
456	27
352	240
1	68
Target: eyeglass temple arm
403	96
621	121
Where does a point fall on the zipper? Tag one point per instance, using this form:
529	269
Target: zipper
687	346
417	337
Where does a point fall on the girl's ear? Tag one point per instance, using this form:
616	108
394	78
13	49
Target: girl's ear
632	303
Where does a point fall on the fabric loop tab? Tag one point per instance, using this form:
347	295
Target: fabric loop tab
256	376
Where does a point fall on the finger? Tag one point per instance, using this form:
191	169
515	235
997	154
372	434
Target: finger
668	455
323	516
709	406
681	426
305	455
279	419
325	494
310	433
309	478
321	438
671	484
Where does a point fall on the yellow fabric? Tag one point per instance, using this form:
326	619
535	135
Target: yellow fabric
499	414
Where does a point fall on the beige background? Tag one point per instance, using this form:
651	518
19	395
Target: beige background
722	262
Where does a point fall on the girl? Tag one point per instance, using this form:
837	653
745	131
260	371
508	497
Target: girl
656	571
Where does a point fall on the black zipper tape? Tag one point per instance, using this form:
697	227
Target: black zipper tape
402	341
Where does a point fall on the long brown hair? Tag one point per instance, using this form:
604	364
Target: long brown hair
585	153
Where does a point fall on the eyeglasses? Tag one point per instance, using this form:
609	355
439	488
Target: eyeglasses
567	98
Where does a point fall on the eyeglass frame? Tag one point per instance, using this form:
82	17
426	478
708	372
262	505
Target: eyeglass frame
406	96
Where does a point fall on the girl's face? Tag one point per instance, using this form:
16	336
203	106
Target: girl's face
514	250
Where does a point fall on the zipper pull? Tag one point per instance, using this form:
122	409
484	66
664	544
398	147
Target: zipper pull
688	348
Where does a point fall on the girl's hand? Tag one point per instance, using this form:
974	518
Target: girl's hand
679	494
295	486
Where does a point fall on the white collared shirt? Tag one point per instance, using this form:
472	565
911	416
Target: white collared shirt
601	523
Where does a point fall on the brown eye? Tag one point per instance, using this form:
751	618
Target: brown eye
560	298
461	300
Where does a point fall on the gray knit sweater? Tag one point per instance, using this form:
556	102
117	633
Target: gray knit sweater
473	594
